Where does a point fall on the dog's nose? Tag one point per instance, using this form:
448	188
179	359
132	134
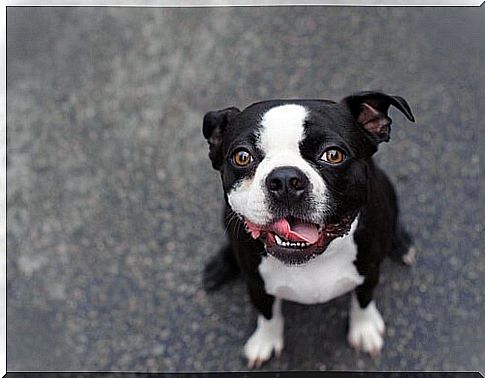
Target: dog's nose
287	183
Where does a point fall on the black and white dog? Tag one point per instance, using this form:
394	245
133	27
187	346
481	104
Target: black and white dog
309	215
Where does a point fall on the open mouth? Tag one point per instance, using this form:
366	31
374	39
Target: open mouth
295	241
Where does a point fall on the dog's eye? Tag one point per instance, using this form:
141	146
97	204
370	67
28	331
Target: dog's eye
242	158
333	156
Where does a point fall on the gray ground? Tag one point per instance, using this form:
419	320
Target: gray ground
113	207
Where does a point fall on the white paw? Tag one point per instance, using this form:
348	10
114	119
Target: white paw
267	338
410	257
366	328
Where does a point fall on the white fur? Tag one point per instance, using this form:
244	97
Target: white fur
410	257
366	327
282	129
327	276
267	337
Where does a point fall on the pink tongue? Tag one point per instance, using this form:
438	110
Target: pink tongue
300	232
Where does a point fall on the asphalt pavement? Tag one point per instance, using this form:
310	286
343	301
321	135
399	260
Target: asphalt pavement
113	207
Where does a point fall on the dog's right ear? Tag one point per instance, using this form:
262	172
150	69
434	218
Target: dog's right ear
370	111
213	128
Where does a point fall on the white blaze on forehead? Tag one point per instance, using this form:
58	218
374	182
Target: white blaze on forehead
282	129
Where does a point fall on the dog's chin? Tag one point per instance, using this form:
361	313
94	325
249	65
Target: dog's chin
283	242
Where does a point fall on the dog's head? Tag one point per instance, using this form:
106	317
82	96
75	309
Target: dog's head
295	171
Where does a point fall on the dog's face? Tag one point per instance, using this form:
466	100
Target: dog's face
295	171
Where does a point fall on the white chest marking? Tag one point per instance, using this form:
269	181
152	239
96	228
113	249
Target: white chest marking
327	276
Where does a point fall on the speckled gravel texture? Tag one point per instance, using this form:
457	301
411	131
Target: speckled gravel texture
113	207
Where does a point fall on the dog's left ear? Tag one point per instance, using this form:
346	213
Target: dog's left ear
213	128
370	110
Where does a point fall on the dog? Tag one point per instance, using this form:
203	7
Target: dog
309	214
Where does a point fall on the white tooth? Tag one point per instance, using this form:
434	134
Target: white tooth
286	244
278	240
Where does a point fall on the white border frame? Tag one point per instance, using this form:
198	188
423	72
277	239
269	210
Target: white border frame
129	3
3	189
216	3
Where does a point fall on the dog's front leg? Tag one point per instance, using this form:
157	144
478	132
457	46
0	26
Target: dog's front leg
366	326
268	336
